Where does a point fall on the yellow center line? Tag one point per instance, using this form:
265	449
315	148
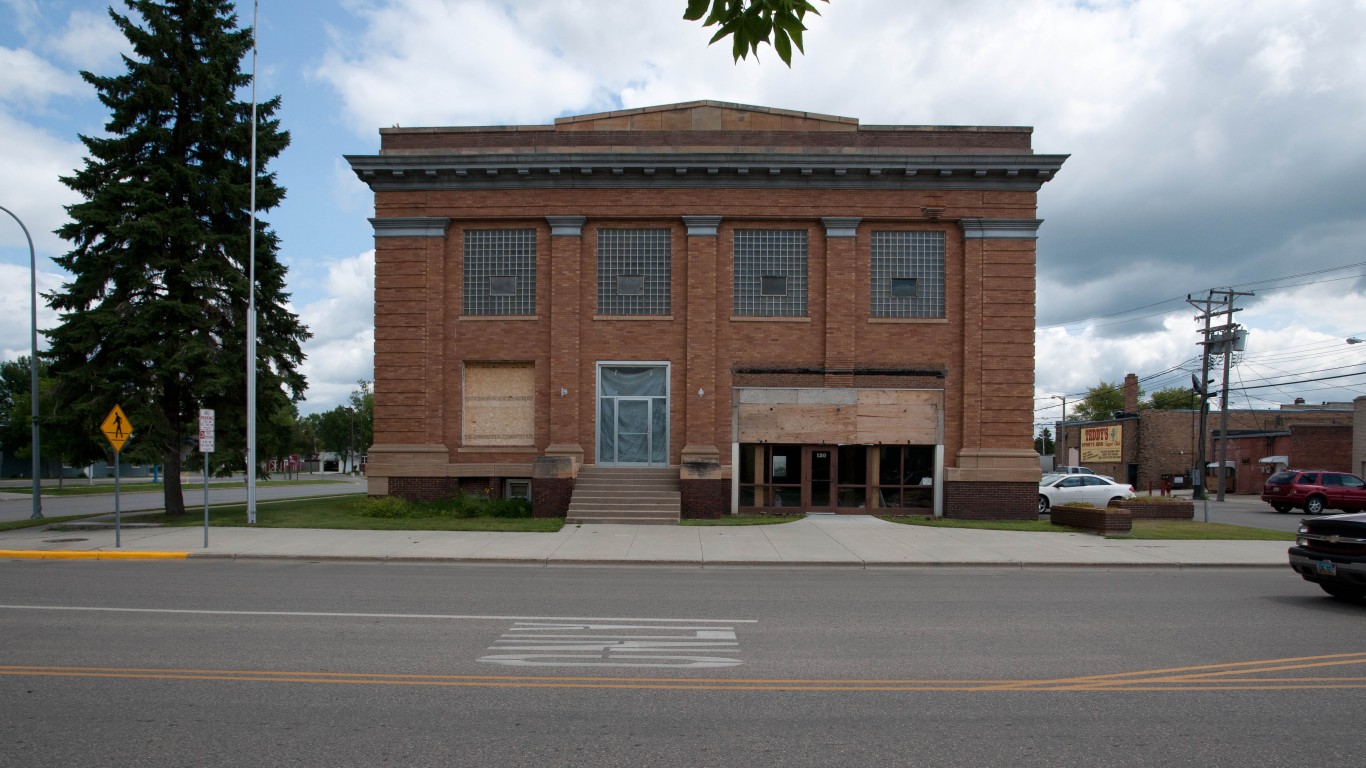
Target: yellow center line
1169	674
1152	680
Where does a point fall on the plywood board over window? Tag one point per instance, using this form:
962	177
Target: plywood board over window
839	416
499	404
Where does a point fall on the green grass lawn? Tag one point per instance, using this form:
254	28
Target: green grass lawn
1033	526
13	525
80	488
744	520
1190	529
344	512
1142	529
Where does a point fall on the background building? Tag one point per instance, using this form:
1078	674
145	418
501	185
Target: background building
759	308
1146	447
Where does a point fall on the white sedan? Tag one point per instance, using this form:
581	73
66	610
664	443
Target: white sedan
1092	489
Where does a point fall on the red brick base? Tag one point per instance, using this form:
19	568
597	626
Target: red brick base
423	488
991	501
550	496
704	499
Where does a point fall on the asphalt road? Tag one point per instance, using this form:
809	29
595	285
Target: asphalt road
327	664
14	506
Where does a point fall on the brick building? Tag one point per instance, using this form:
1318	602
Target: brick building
768	310
1153	444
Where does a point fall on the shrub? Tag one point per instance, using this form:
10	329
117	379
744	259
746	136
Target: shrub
459	506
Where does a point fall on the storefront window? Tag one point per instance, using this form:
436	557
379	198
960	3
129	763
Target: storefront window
905	476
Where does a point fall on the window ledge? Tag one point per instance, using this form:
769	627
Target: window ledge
486	318
921	320
768	319
664	318
496	449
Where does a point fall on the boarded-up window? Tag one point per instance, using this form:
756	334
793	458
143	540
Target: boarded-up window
500	404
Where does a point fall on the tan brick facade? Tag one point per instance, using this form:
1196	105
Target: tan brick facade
702	171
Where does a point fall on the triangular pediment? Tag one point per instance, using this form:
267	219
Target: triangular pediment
706	116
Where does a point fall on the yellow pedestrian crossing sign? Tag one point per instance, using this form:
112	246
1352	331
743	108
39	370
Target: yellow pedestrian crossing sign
117	428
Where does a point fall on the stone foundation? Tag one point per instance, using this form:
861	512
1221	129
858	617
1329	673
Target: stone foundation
703	485
552	485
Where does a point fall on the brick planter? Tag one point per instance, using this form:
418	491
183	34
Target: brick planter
1108	521
1158	510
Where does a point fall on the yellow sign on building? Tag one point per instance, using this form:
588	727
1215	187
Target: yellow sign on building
117	428
1102	444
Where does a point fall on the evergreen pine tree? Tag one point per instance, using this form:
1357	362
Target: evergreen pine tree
154	318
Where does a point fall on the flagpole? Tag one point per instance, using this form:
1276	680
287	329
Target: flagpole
251	288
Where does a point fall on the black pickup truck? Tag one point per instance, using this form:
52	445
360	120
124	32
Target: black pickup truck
1331	552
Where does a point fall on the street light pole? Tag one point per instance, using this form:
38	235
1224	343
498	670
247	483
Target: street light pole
251	292
33	369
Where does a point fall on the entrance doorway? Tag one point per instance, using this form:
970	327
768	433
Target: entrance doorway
851	479
633	414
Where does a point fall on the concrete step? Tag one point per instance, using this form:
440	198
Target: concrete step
625	496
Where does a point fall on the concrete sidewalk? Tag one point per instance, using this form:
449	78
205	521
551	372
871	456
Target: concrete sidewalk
829	540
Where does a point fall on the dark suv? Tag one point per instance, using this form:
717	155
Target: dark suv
1314	490
1331	552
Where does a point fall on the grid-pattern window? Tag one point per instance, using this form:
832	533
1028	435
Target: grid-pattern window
500	272
908	274
770	273
633	272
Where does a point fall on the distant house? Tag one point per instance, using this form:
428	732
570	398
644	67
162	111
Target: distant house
762	310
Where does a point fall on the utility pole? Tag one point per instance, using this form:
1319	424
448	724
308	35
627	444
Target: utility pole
1060	440
1218	339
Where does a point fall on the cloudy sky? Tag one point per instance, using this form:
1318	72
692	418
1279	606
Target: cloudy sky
1213	143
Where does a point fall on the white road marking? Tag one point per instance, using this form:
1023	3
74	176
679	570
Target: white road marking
591	644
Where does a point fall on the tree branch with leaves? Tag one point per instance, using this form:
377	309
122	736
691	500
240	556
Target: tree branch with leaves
749	23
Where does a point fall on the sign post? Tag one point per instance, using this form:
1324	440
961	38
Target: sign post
206	447
117	429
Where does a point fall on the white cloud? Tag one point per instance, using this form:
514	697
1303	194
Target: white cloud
342	349
90	41
32	80
33	160
16	310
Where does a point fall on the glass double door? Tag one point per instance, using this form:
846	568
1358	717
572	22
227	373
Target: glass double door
633	415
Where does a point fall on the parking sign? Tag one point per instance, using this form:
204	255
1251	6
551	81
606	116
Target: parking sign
206	430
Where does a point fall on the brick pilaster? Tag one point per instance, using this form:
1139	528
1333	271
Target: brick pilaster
700	410
566	259
841	307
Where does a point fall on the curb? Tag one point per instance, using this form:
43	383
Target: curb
864	565
62	554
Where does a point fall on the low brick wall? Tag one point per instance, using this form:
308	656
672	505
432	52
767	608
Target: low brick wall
703	499
1158	510
1108	521
991	501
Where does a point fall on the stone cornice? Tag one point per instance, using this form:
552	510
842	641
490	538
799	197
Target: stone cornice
990	229
411	226
702	226
719	170
841	226
566	226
